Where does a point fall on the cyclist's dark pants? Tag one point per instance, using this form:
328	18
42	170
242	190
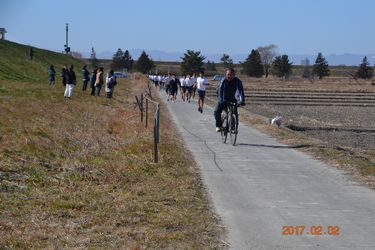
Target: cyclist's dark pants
220	106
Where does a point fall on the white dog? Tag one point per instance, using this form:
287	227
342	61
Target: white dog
276	121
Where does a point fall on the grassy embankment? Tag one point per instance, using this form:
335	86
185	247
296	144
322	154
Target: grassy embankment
78	173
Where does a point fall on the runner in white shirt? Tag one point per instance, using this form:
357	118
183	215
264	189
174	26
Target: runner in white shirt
159	79
202	82
183	88
189	87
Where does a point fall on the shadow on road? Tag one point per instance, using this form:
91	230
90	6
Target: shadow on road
273	146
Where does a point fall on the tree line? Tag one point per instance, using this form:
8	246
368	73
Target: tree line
262	61
123	61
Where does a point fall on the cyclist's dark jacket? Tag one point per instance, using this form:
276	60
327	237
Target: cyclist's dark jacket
227	90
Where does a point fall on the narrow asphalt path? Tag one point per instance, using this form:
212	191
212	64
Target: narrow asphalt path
261	188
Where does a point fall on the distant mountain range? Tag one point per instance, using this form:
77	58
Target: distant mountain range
157	55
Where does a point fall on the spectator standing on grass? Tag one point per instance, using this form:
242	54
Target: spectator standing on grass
85	77
201	84
93	80
71	83
64	75
52	75
31	53
99	81
110	83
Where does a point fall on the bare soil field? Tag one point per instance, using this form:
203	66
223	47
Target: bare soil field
347	126
333	83
333	118
338	126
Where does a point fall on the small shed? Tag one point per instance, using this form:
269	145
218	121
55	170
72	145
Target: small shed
2	33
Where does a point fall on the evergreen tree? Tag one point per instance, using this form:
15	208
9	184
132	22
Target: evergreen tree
226	61
365	71
144	63
192	62
253	65
128	61
94	62
321	66
281	66
117	60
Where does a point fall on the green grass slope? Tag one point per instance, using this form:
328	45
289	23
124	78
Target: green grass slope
15	64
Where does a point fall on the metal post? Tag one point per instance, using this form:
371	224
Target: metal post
146	112
156	134
142	108
67	50
66	33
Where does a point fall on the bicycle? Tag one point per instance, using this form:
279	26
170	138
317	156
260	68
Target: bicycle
230	126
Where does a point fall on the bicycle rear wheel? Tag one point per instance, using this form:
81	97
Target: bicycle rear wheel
224	129
233	129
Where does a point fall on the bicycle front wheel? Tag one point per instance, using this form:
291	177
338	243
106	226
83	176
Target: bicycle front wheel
233	129
224	129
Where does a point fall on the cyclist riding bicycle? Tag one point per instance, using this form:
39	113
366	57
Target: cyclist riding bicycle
226	94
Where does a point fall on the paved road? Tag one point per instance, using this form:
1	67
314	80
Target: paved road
260	186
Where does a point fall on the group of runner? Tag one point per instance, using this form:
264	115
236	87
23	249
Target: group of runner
187	85
229	90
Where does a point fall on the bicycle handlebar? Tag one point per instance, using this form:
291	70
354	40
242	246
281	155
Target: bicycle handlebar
238	104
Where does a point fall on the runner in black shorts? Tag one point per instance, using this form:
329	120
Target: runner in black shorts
201	84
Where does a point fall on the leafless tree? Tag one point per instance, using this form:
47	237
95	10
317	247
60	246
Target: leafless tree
307	70
267	54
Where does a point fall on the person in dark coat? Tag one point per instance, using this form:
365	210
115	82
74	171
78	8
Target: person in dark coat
227	93
173	87
31	53
65	75
71	83
93	80
85	77
51	74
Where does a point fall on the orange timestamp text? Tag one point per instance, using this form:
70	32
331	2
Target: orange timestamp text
311	230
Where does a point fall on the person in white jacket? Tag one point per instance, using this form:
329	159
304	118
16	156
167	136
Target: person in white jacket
110	82
201	84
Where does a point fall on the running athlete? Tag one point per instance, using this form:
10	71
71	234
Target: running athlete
173	87
183	88
189	87
194	87
201	84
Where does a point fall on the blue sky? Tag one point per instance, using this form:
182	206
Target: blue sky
209	26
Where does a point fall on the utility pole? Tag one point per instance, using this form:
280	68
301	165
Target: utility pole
67	48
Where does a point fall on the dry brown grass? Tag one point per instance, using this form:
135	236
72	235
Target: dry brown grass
78	174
